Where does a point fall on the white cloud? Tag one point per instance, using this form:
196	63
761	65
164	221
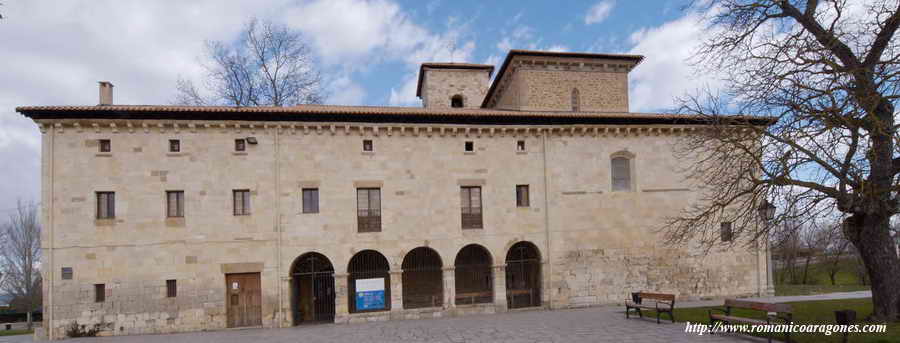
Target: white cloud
343	91
599	12
665	73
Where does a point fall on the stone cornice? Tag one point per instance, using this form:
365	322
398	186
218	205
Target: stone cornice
357	129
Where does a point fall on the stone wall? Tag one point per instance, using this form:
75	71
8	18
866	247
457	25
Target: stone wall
439	85
600	245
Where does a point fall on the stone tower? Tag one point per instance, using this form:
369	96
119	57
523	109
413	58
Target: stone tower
447	85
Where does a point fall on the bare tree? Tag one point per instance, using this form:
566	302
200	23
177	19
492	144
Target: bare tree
825	75
270	65
20	255
837	247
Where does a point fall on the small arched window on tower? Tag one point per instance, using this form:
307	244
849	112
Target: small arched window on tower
456	101
576	101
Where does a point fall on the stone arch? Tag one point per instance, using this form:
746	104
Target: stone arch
423	278
312	289
523	275
369	266
473	274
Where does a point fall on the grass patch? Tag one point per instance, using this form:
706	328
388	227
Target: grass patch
818	282
809	312
15	332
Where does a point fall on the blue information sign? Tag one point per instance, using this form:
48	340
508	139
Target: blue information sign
370	294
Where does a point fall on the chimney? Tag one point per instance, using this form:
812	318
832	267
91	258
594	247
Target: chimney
106	93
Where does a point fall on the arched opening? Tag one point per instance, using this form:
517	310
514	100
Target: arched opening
620	166
474	277
523	276
576	100
423	279
456	101
312	281
369	282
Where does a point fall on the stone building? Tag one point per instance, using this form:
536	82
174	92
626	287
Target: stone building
538	190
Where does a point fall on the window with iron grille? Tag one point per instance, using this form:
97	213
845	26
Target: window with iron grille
368	209
174	145
105	145
522	199
240	144
368	146
310	200
241	202
520	146
171	288
67	273
175	204
99	293
621	174
470	146
576	101
106	205
471	207
727	233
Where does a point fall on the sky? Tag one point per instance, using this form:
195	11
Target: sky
368	52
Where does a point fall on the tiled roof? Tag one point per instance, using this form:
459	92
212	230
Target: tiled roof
353	113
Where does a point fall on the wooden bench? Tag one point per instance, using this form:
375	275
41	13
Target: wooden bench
775	314
661	303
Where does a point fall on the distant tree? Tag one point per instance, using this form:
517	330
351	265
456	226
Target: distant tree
837	249
20	255
269	65
827	74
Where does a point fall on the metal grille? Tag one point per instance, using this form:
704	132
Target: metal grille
313	289
523	276
368	264
474	278
423	279
368	209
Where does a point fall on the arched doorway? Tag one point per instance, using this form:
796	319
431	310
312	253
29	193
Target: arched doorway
523	276
312	280
423	279
474	277
369	282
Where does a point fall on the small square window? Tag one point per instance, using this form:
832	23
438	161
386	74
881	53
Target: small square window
520	146
99	293
470	146
310	200
67	273
174	145
727	232
368	145
105	145
171	289
240	145
522	199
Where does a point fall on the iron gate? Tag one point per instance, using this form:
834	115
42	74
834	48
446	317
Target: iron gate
313	279
423	279
523	276
368	264
474	279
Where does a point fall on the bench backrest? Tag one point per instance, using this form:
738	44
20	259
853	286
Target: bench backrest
658	296
759	306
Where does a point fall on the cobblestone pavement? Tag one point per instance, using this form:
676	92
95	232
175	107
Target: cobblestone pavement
600	324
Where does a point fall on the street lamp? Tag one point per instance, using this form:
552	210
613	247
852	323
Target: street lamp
767	213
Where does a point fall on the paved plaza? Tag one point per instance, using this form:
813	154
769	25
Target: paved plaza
598	324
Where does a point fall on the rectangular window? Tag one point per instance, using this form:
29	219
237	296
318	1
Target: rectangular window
240	145
368	145
368	205
520	146
310	200
99	293
174	145
471	207
242	202
175	204
727	233
106	205
470	146
67	273
522	199
171	289
105	145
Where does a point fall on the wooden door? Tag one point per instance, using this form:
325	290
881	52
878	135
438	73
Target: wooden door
243	300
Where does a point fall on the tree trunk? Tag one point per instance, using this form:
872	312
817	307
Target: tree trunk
877	252
29	319
806	268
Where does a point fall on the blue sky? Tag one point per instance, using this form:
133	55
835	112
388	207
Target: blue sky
369	51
